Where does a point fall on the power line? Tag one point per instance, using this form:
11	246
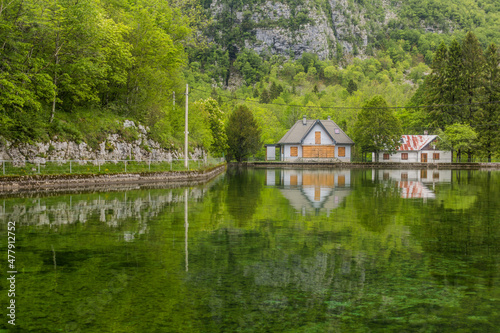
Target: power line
351	107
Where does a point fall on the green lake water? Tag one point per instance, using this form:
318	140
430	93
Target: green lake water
262	251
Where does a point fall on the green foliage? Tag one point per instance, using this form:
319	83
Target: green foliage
61	57
488	116
216	120
373	262
458	138
351	87
243	134
377	129
466	81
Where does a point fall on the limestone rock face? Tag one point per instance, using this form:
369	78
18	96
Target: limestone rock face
114	148
330	25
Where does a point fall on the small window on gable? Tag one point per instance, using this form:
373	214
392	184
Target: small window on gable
337	131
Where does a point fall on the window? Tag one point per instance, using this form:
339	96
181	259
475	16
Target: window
386	156
404	176
294	151
337	131
341	151
404	156
317	138
435	156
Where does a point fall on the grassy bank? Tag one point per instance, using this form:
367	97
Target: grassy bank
7	168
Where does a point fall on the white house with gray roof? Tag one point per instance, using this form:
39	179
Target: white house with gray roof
314	140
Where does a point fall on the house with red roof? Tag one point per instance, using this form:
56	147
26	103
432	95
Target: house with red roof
415	149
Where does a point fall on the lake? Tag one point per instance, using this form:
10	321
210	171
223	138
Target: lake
262	250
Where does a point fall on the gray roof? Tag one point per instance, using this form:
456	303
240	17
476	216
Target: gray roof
298	132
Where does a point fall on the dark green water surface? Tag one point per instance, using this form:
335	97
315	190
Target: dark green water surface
262	251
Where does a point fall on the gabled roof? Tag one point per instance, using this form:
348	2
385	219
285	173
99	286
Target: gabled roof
299	131
415	142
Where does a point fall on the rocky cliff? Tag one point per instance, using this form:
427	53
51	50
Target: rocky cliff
114	148
325	27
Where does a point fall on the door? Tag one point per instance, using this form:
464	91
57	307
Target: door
424	157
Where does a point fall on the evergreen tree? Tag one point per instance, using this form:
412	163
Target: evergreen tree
453	85
351	87
264	97
435	83
472	75
243	134
275	91
255	93
488	117
377	128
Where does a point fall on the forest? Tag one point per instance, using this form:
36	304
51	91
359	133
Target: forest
76	70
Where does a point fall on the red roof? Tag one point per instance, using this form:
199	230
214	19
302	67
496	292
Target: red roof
415	142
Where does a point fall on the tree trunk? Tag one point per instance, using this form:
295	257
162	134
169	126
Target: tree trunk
53	111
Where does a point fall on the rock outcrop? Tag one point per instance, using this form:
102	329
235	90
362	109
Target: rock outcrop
114	148
329	26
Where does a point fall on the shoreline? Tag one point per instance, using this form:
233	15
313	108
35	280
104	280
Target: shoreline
12	185
84	182
373	165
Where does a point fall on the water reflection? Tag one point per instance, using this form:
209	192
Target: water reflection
414	184
237	255
311	191
129	212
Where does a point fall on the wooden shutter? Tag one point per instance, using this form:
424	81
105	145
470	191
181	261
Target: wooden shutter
294	151
317	138
341	151
318	151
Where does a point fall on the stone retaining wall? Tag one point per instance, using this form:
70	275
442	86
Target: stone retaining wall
13	184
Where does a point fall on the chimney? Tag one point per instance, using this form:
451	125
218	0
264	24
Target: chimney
425	132
304	121
329	118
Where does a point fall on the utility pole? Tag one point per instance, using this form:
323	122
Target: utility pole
186	131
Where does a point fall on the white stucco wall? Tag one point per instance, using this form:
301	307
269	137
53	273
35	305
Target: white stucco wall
286	152
310	139
271	153
347	157
416	156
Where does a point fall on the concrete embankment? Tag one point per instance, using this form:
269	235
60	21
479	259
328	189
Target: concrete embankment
373	165
13	184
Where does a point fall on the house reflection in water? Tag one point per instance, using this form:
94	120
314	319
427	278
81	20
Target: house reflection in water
312	191
414	183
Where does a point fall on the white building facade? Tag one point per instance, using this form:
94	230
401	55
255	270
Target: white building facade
316	140
416	149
